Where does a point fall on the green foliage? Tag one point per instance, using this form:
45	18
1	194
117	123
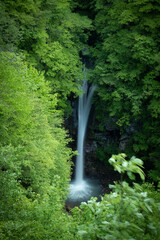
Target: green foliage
137	219
9	29
62	68
127	70
121	165
126	213
103	153
51	36
34	157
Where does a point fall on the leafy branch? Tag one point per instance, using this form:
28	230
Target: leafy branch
132	166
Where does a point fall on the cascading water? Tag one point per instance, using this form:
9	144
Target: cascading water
84	107
82	189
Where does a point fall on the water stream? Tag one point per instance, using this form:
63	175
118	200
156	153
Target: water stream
81	189
84	107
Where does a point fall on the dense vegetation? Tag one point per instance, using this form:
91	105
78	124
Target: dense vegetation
126	213
41	46
127	70
39	68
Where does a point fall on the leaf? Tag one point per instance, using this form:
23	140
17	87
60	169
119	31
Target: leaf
138	161
111	160
118	168
131	175
82	232
105	223
125	164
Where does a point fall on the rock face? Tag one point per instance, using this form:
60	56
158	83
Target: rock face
123	142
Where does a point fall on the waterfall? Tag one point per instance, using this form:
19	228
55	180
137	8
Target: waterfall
84	107
82	189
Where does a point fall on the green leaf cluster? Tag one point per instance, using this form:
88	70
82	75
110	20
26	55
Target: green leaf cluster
51	36
126	213
137	218
40	68
121	165
127	70
34	157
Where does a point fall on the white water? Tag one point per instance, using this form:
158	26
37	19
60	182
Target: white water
82	189
84	107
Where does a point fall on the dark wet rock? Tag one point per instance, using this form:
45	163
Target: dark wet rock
124	139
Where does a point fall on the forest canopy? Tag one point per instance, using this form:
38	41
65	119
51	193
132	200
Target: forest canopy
127	70
43	47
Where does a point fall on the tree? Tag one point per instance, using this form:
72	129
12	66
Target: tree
35	159
127	70
51	36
